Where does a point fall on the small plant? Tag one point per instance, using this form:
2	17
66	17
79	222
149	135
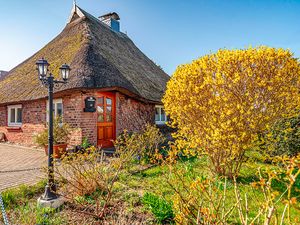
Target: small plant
61	132
44	216
85	143
161	209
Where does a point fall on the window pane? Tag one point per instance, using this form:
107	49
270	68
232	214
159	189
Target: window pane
108	101
100	114
163	115
12	115
100	101
59	108
19	115
108	114
108	109
157	112
108	118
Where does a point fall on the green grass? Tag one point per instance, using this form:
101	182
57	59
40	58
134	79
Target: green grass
21	206
131	187
154	180
19	196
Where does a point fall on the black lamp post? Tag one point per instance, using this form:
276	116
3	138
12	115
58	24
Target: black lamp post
48	80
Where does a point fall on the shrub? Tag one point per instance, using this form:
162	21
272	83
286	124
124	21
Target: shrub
223	100
161	209
61	133
144	144
284	137
87	182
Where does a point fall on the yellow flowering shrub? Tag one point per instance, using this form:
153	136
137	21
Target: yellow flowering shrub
221	101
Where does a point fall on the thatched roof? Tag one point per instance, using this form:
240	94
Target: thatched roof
99	58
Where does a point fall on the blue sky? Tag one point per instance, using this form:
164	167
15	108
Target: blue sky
169	32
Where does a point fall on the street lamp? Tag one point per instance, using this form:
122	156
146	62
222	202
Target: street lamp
48	80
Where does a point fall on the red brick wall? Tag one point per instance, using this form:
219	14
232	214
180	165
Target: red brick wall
33	117
131	115
84	123
34	120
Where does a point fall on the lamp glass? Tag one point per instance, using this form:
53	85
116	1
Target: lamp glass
42	67
65	71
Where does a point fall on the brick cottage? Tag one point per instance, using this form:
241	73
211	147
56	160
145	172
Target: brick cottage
106	67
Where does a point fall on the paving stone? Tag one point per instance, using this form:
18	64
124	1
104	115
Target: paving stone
20	165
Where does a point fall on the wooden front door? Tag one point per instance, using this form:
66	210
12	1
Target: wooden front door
106	119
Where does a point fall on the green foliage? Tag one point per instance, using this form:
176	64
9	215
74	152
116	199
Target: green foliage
161	209
22	204
263	194
46	216
61	132
145	144
18	196
85	143
284	137
132	198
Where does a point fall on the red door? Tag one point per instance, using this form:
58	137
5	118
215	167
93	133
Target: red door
106	120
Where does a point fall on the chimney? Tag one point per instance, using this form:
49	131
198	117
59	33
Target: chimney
112	20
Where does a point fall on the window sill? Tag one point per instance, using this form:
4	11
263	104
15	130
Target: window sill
14	129
160	122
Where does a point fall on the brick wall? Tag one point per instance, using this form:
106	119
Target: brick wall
131	115
34	120
33	117
84	123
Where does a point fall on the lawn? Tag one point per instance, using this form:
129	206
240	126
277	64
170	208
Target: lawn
129	191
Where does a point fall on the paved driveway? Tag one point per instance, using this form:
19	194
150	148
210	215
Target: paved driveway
20	165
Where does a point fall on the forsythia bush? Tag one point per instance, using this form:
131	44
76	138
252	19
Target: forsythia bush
221	101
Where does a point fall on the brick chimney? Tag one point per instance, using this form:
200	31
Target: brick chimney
112	20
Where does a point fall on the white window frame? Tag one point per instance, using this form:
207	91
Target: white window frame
160	121
14	124
55	102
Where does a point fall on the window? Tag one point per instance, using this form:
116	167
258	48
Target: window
15	115
104	109
57	108
160	115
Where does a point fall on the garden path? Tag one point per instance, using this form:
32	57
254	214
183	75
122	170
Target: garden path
20	165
